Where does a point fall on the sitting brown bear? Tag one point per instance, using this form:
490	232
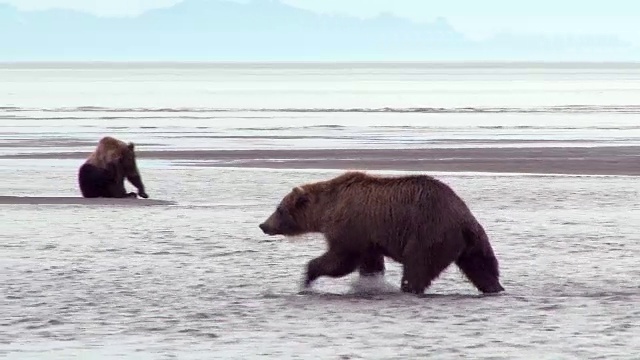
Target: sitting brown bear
415	220
103	173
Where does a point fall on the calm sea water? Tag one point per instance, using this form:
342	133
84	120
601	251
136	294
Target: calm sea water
311	106
198	280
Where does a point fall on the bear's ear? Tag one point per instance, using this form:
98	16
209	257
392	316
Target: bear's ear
130	146
301	196
302	199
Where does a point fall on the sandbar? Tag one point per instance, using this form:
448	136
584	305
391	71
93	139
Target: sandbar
55	200
598	160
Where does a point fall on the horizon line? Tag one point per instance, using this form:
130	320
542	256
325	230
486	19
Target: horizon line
466	63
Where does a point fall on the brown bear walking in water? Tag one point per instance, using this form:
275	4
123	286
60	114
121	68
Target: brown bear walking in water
103	173
415	220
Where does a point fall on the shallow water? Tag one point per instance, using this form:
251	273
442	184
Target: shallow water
199	280
317	106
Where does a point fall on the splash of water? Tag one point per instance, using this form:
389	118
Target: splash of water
377	284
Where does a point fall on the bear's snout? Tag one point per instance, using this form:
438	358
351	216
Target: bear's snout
266	229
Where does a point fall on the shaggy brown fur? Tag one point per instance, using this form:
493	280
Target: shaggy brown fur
104	171
415	220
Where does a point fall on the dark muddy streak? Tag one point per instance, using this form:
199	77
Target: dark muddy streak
42	200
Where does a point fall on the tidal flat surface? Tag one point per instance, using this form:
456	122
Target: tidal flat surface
197	279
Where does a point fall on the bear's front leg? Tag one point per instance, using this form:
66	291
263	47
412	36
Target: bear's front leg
331	264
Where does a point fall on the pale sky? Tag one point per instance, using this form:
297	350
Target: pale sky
476	19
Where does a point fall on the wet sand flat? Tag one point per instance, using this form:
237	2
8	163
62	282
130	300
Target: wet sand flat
200	280
623	160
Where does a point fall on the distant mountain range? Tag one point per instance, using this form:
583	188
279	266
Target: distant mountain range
267	30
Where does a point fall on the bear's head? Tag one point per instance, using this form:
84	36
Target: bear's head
113	152
293	216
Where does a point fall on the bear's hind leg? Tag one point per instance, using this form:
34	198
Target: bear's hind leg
481	269
372	263
479	263
93	181
331	264
424	260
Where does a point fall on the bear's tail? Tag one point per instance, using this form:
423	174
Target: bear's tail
478	261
